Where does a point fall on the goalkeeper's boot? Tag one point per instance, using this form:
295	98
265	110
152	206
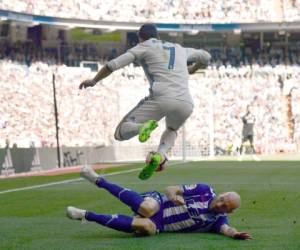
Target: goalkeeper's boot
153	161
76	213
256	158
89	174
146	129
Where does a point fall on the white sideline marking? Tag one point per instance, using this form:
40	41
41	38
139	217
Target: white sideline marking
74	180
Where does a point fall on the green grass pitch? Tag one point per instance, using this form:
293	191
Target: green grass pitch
270	211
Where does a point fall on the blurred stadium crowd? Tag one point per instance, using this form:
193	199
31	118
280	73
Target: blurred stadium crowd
266	79
27	53
90	117
183	11
28	116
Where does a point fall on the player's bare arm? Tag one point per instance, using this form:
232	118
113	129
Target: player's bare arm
115	64
174	193
233	233
103	73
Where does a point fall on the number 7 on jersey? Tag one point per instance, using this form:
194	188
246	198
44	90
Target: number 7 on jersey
172	56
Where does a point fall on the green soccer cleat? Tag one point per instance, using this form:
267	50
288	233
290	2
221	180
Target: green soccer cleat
151	165
146	130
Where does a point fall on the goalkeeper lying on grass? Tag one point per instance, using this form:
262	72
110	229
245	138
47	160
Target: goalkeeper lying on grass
186	208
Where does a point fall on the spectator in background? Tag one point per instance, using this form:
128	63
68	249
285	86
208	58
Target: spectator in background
248	131
164	11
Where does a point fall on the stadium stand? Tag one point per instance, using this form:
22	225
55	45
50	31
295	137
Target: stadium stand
255	61
235	56
91	117
163	11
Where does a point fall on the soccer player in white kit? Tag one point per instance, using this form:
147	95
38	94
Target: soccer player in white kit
165	65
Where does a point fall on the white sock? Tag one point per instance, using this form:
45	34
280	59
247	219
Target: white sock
129	129
167	141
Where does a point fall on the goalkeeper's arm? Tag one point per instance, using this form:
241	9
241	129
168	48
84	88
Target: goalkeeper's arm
174	193
233	233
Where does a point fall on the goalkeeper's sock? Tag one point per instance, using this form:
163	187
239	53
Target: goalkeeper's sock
116	221
127	196
167	141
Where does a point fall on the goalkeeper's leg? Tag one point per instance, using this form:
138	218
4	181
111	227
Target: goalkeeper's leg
118	222
144	207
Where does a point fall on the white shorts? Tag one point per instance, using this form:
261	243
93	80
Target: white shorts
175	111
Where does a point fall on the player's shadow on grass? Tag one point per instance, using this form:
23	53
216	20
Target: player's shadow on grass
102	235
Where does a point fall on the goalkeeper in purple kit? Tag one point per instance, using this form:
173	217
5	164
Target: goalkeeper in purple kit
185	208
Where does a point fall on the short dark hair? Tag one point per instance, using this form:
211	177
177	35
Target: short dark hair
148	31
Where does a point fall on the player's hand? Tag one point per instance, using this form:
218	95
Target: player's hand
87	83
194	67
242	236
177	200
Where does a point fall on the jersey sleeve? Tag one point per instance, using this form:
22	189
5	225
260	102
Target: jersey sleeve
121	61
138	51
222	220
195	189
196	55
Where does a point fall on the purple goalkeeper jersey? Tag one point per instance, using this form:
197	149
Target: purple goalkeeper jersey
193	216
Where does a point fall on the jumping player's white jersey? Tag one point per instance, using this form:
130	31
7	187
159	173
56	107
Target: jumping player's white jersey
165	65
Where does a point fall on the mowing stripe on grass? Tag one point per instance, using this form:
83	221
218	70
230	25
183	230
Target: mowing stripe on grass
73	180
